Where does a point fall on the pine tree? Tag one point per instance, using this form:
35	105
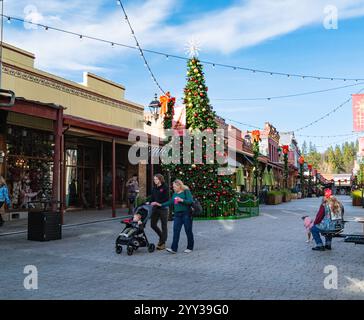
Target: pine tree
212	190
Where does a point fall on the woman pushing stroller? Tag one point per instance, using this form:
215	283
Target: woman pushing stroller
181	201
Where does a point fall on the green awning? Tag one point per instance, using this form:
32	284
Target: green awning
240	179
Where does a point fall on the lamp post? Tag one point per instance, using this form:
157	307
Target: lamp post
301	161
285	150
309	178
154	107
256	139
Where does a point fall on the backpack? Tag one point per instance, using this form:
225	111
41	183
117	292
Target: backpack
196	207
331	221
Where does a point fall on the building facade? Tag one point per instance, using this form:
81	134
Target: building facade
66	140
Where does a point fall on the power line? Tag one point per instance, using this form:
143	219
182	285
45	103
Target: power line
327	114
288	96
329	136
332	143
244	124
168	55
140	49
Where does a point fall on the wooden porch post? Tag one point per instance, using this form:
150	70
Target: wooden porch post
56	158
101	204
113	178
62	180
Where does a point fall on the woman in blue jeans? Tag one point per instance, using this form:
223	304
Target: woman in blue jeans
181	201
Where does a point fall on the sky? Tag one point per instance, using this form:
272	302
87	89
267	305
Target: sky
289	36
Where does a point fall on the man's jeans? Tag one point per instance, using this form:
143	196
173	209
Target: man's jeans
316	236
160	213
185	219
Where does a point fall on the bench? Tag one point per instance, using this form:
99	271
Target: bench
355	238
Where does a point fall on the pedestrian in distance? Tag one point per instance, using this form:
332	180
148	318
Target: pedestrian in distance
4	197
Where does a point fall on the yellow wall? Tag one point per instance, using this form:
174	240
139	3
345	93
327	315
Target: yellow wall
96	99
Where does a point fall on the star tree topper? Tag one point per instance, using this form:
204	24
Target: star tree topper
193	48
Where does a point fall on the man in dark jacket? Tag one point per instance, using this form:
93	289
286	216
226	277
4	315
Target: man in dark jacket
160	194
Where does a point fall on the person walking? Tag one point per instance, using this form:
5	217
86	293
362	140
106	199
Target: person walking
160	195
132	186
4	197
181	201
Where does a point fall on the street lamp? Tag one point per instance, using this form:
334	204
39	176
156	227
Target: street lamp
301	161
309	166
154	107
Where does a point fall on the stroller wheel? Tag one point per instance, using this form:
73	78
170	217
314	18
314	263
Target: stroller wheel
129	251
151	247
118	249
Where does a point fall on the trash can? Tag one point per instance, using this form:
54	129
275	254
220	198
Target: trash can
44	225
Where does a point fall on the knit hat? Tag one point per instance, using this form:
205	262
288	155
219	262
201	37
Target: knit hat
328	193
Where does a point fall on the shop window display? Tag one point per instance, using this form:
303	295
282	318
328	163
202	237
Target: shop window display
29	165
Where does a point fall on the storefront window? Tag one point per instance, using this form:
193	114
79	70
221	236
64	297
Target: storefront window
29	165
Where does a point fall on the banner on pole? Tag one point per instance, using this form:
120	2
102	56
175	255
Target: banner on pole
358	112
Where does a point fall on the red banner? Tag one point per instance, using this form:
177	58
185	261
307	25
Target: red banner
358	112
361	146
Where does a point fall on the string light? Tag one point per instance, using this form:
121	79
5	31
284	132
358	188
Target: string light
289	95
327	114
140	49
256	71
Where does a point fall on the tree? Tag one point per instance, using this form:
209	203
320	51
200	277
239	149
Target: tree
212	190
304	148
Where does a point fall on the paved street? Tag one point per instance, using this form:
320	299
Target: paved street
264	257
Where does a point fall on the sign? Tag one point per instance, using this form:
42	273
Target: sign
358	112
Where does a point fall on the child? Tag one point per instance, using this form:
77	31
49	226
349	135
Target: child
308	223
134	225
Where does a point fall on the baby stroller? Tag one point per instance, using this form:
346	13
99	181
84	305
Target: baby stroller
138	238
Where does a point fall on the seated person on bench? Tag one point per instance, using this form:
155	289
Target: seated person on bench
329	220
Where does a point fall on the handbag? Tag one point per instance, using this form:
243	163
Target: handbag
195	208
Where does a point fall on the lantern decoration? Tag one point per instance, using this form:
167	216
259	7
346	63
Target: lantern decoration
164	100
301	160
285	149
256	135
309	167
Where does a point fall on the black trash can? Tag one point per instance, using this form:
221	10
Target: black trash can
44	225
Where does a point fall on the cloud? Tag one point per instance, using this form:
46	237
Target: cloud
224	31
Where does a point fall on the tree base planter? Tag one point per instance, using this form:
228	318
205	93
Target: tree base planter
286	198
357	202
274	199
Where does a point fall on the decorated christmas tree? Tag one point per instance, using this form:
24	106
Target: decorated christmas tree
214	191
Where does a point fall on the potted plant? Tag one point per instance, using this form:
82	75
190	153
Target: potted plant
356	196
286	195
274	197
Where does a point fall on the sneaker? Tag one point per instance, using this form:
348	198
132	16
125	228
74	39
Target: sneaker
328	247
187	251
170	250
319	248
161	246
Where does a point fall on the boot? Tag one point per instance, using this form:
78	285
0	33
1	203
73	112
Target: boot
1	220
